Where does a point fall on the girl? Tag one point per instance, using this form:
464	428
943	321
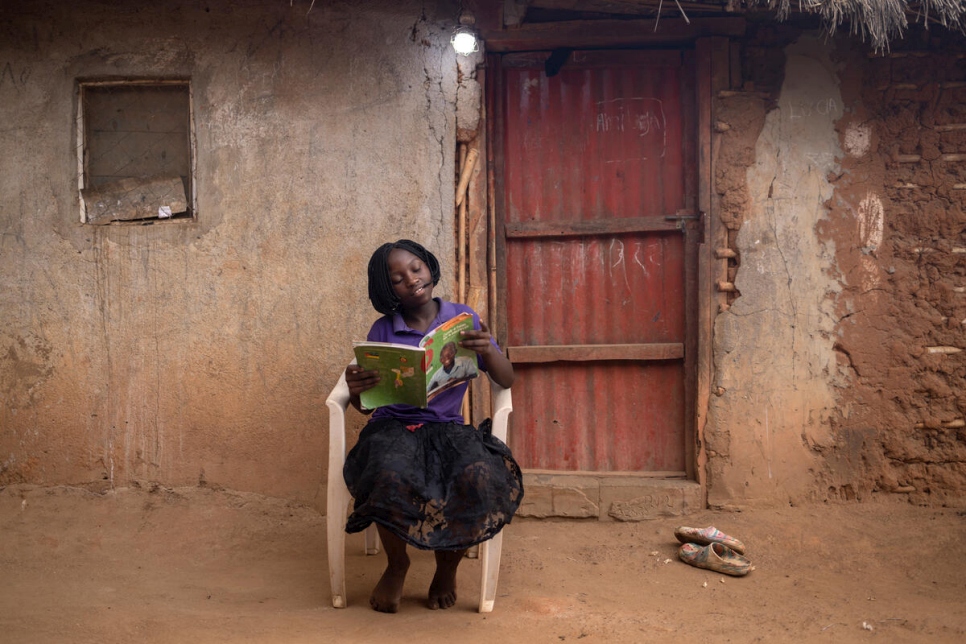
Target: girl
421	475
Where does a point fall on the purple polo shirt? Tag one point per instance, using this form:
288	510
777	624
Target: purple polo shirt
445	407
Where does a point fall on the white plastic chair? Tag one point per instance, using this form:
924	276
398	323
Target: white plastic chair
337	502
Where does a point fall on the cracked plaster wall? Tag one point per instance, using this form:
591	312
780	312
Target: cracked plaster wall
773	349
203	352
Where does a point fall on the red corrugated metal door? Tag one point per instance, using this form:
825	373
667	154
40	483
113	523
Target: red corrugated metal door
595	189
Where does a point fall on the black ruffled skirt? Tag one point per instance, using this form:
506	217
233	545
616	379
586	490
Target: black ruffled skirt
443	486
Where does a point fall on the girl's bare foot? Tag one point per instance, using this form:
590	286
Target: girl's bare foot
442	592
388	592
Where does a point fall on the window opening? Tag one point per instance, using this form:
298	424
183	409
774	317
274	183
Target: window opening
135	158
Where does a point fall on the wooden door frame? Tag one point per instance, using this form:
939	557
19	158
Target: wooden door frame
712	67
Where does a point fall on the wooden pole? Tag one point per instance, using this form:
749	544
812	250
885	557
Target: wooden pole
467	169
461	228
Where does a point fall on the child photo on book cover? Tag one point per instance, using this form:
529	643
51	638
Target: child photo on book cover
454	368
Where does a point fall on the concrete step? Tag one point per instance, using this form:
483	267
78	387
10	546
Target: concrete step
608	496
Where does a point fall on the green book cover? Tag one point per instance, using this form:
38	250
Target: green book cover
413	375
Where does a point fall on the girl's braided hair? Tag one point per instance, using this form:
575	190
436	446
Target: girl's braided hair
381	293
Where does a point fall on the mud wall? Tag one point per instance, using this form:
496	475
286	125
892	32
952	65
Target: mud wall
839	367
899	225
203	351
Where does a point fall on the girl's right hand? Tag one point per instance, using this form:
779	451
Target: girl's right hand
360	380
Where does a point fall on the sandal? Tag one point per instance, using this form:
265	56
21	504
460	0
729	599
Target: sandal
715	556
704	536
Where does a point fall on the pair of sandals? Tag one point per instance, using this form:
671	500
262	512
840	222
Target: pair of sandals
712	549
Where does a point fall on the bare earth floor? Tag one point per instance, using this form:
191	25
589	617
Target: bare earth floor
200	565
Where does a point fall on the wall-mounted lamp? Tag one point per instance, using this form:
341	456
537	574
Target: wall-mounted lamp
464	41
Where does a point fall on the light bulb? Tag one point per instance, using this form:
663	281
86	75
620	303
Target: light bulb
464	41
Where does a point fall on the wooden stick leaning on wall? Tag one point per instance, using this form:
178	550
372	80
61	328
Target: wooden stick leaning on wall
467	163
467	169
461	228
491	260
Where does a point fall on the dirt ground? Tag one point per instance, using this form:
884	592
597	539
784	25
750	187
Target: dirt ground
203	565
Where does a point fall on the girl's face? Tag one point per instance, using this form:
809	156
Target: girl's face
410	278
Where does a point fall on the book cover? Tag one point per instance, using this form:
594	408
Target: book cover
413	375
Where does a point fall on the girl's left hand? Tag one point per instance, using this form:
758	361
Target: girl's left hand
478	340
497	365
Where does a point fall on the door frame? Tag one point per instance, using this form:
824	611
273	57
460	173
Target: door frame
620	495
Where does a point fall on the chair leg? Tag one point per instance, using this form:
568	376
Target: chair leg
490	552
373	543
335	536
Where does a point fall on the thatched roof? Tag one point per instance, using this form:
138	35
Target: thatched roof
878	22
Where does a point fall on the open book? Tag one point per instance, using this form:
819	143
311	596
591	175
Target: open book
413	375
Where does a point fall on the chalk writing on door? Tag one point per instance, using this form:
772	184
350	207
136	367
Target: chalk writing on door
631	129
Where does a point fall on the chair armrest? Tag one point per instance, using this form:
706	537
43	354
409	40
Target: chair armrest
339	396
502	403
338	402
